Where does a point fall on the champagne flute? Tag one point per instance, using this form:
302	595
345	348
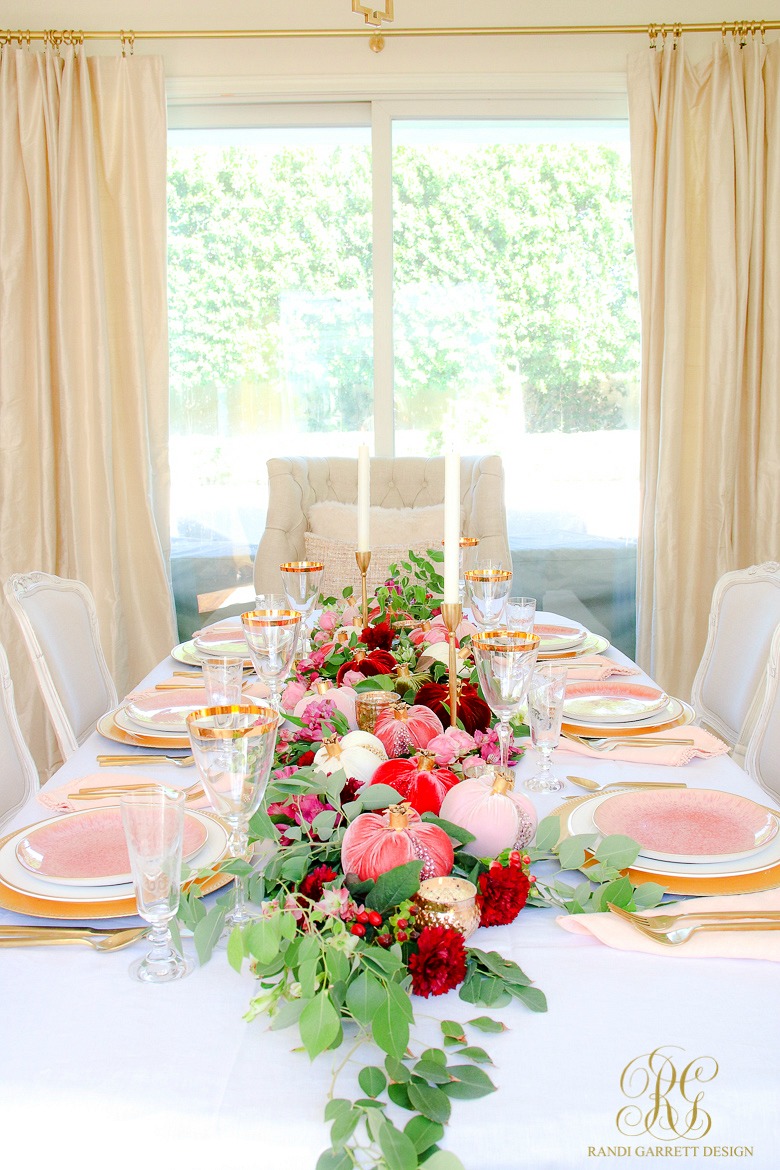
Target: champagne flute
234	750
546	697
302	581
486	591
505	661
153	822
271	635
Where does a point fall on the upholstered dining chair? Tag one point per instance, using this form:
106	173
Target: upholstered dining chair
18	774
59	625
762	757
727	688
407	498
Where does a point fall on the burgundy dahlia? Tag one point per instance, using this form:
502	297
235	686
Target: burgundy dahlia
379	637
439	963
313	884
502	894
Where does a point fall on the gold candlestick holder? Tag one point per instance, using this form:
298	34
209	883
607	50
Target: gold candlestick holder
363	561
452	611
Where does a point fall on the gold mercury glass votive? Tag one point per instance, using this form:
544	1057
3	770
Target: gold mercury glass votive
369	704
448	901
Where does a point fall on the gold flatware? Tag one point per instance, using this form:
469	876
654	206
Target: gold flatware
44	936
108	761
195	789
664	922
678	935
592	786
639	741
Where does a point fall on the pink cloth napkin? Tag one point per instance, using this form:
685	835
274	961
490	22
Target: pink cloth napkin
595	667
57	799
758	944
704	746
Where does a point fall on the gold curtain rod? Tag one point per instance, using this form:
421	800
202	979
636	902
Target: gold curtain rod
127	36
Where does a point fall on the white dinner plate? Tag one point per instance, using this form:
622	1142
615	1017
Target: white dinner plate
163	712
580	820
124	721
677	713
593	644
560	637
611	701
18	878
186	652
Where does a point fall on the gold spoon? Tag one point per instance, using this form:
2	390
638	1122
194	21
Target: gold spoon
592	786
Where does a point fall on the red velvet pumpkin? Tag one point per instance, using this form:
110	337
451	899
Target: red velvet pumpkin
377	842
473	711
418	781
377	662
402	728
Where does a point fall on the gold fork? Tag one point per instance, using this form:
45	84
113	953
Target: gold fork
44	936
647	741
109	761
678	935
665	922
192	791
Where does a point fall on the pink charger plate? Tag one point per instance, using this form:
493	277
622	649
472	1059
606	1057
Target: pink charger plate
89	848
694	825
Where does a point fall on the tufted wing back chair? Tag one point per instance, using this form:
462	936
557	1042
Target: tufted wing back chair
296	483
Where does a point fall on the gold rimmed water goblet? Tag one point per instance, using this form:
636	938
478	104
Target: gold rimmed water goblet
272	635
505	661
486	591
234	751
302	581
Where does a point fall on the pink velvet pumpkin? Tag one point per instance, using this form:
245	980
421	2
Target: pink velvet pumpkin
417	780
498	817
343	699
404	729
377	842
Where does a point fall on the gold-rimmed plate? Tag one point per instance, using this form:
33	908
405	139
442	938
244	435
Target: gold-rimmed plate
593	644
677	714
750	879
108	727
187	653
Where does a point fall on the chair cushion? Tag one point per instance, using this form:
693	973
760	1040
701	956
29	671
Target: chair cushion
341	569
389	526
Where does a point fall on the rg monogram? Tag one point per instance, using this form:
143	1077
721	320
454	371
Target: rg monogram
667	1097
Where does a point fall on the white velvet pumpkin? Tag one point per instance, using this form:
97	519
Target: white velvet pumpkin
359	753
498	817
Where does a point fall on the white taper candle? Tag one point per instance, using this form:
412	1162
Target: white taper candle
363	499
451	527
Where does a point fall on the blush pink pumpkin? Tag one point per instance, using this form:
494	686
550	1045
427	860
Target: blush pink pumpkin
488	807
405	729
377	842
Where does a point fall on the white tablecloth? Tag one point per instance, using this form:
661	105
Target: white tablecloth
97	1070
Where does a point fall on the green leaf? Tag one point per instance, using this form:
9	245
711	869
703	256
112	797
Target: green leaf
395	886
432	1071
485	1024
337	964
398	1150
532	997
454	1029
334	1160
423	1133
336	1107
263	939
547	833
433	1103
617	850
648	894
375	1120
434	1054
365	995
262	828
504	968
442	1160
207	932
401	1000
397	1070
372	1080
235	948
399	1095
390	1029
620	892
477	1054
450	828
287	1013
484	989
377	796
324	824
344	1126
319	1024
468	1082
571	852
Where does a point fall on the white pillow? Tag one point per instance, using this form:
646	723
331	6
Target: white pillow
341	569
388	526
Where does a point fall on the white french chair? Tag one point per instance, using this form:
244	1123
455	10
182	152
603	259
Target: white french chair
762	758
18	774
59	624
296	483
727	688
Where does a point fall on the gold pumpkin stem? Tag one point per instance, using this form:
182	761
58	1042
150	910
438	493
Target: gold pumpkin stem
425	761
398	816
502	782
332	747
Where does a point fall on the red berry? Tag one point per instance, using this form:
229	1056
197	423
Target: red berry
375	918
402	923
412	911
532	879
363	917
402	936
514	856
384	940
526	860
495	865
358	929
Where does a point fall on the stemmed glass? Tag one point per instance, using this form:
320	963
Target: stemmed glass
234	750
546	697
519	614
302	581
271	635
486	591
153	822
505	661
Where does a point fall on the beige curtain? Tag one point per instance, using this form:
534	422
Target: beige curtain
83	348
705	143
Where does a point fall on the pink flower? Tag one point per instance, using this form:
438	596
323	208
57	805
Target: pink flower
450	746
293	693
352	677
322	639
328	620
293	905
334	903
351	615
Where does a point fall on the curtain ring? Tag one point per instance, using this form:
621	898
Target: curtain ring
652	32
677	35
128	41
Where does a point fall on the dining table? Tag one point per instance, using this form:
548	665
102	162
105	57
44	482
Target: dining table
97	1069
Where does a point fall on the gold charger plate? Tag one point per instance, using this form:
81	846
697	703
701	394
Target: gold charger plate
623	730
26	903
737	883
110	729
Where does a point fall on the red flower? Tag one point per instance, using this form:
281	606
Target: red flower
473	711
377	662
439	963
379	637
503	893
350	790
313	884
305	758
